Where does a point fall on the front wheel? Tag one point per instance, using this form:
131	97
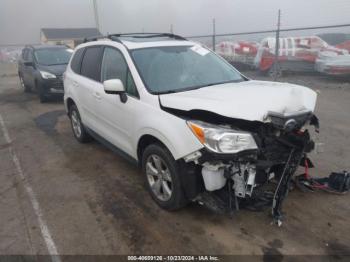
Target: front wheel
78	128
162	177
42	97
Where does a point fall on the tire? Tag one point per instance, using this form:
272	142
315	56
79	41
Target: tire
25	87
165	186
78	128
42	96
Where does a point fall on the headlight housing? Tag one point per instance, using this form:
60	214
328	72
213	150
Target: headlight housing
221	139
47	75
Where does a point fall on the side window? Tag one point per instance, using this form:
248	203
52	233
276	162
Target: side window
114	66
91	64
76	60
130	85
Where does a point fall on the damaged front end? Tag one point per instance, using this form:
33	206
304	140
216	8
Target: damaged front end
247	164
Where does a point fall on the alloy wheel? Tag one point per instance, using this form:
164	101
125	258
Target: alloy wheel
159	177
76	124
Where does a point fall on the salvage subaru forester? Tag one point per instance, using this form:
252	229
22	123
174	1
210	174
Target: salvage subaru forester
200	130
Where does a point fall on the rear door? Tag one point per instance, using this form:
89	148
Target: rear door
27	71
87	83
20	61
31	69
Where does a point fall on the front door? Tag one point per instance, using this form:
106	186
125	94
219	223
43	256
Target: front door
116	118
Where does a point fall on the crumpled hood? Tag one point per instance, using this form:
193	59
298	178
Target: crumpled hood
249	100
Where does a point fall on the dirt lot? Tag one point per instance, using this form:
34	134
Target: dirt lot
92	201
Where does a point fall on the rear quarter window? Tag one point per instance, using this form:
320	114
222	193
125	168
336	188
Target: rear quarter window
91	64
76	60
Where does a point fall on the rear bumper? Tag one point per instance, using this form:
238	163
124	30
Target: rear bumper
334	66
337	70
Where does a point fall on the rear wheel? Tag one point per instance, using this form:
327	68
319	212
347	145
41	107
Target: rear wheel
78	128
162	177
23	85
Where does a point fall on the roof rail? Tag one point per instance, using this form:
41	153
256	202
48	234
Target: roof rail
115	37
148	35
93	38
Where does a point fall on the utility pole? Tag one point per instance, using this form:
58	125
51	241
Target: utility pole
171	29
97	21
277	47
214	33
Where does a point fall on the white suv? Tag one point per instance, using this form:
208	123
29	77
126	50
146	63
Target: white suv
200	130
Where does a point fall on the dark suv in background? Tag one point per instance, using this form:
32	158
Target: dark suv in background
41	67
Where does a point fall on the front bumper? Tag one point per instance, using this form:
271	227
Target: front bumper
52	86
253	178
258	178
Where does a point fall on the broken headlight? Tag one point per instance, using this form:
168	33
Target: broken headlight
222	139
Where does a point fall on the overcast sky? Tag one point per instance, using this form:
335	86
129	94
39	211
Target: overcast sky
21	20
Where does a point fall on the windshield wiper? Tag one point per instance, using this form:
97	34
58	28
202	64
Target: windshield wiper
169	92
197	87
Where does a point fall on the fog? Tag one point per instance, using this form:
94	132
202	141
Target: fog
21	20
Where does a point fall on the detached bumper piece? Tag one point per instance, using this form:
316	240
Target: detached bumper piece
338	183
283	185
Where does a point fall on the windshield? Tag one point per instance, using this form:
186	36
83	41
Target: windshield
181	68
53	56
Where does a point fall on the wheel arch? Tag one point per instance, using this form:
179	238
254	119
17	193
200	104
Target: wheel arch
69	102
148	139
189	173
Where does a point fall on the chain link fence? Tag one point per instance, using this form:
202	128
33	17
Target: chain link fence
321	49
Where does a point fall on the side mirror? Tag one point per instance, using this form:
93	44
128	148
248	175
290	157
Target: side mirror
113	86
28	63
116	87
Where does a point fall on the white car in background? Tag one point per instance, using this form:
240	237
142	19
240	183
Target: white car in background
200	130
